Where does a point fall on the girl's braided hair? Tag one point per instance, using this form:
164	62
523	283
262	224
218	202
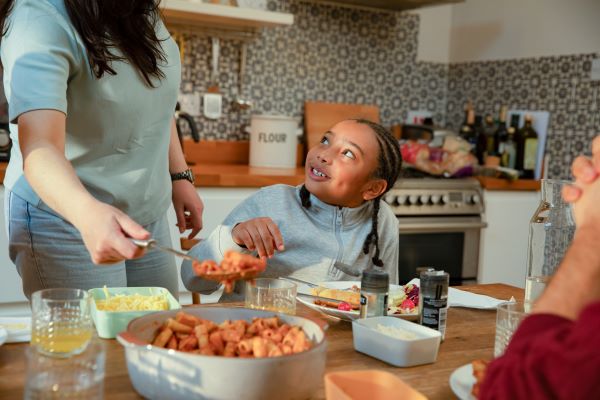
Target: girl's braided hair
388	168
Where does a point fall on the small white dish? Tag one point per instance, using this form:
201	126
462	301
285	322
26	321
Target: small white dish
3	336
344	315
462	381
18	329
399	352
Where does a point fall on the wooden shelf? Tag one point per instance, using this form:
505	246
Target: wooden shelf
195	12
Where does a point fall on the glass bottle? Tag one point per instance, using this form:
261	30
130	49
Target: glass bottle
374	287
509	150
501	134
529	139
551	230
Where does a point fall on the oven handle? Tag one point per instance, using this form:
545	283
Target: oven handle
442	225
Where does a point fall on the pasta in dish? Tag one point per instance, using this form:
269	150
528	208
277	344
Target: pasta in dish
234	266
263	337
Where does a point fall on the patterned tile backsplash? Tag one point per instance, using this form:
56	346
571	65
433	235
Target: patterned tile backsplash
560	85
346	55
329	54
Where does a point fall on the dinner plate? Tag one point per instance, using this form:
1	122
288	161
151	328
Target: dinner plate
18	329
462	381
334	312
3	336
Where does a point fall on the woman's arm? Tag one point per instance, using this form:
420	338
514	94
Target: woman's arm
104	229
188	205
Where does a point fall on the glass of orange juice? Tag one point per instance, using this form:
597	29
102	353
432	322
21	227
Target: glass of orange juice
61	324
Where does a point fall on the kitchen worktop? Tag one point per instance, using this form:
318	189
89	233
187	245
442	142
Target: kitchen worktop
242	175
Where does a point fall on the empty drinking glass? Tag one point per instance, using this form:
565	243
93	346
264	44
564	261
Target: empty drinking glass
508	319
79	377
60	323
271	294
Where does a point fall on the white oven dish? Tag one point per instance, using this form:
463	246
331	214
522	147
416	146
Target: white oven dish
158	373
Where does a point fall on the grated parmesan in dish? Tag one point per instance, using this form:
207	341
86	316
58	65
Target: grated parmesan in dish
396	333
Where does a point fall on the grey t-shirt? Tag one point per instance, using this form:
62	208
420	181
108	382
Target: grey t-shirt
117	127
322	242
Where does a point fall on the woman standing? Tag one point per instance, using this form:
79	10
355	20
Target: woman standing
91	87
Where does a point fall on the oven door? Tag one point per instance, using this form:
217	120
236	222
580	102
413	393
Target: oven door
444	243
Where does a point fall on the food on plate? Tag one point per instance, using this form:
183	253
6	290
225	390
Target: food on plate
479	369
234	266
404	300
395	332
349	296
132	302
263	337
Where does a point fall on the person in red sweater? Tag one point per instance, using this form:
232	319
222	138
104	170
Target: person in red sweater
555	353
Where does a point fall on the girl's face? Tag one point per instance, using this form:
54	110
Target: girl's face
339	170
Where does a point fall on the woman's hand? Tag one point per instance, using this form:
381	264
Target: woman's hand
585	192
107	234
188	207
260	234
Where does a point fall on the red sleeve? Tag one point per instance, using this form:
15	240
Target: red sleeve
549	357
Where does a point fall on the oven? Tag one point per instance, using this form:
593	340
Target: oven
440	223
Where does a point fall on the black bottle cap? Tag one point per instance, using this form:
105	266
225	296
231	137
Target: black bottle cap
375	279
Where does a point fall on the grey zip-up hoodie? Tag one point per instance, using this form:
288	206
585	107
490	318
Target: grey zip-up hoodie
322	242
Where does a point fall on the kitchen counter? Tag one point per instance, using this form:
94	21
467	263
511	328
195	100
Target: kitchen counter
502	184
239	175
469	336
242	175
233	175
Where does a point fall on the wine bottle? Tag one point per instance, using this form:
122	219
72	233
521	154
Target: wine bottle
509	149
501	134
489	130
467	126
480	139
530	145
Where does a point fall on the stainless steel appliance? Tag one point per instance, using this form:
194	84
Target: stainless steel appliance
440	226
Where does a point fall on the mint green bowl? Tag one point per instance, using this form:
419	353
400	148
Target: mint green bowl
110	323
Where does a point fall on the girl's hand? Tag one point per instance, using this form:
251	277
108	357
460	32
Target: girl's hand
586	172
188	207
260	234
107	233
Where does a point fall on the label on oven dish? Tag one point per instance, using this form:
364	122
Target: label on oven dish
434	314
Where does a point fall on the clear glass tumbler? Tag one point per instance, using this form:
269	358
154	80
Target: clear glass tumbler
79	377
61	323
271	294
551	231
508	319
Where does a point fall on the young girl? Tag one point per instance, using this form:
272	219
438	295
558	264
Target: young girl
331	228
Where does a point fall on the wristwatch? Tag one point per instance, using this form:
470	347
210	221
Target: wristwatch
188	175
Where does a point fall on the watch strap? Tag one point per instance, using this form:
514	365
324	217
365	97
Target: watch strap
187	175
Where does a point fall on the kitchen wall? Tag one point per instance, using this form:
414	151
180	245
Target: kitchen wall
529	54
330	54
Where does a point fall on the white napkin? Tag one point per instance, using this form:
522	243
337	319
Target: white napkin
461	298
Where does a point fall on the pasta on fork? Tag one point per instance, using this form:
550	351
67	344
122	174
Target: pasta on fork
263	337
234	266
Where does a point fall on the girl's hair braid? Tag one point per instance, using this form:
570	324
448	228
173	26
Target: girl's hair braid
390	161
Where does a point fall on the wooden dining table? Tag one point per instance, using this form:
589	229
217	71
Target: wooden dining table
469	336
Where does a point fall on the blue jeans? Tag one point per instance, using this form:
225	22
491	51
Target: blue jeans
49	252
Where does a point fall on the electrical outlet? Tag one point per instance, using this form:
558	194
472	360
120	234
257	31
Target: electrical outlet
595	74
190	103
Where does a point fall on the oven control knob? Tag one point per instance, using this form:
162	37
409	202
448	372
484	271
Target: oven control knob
424	199
445	199
435	198
413	199
401	199
475	199
390	199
